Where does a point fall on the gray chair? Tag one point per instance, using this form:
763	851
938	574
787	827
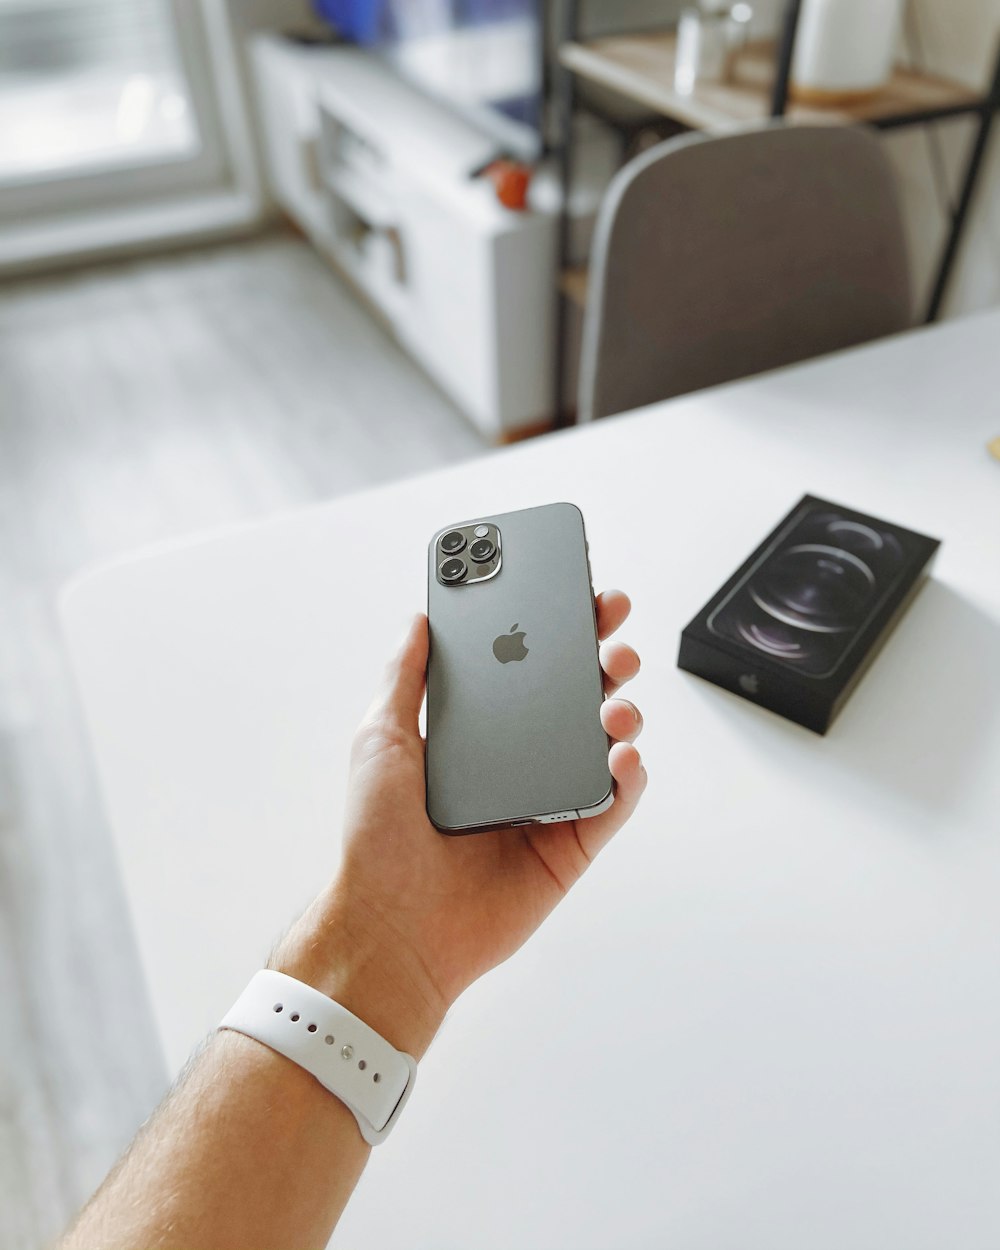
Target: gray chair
716	258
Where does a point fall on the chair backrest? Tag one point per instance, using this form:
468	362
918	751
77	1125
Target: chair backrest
716	258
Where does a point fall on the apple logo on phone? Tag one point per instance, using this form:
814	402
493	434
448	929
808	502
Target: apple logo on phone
510	647
749	684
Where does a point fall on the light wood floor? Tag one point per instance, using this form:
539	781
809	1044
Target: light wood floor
139	402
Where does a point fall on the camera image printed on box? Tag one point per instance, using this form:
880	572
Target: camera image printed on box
795	628
806	600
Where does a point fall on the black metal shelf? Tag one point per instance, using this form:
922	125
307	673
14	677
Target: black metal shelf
943	102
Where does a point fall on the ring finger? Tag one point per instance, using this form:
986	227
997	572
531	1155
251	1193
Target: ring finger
621	719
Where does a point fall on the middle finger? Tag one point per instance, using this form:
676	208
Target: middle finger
620	663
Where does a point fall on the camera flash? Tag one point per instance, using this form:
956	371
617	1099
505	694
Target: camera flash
481	531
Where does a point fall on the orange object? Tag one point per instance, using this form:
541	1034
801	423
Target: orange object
511	182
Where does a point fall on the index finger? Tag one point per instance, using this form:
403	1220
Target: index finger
613	607
401	693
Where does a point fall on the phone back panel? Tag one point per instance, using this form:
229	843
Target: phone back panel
522	739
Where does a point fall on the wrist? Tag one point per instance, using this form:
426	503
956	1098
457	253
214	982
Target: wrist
352	957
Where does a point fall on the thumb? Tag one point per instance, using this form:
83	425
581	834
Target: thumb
398	702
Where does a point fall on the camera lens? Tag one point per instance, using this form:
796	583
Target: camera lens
482	550
452	543
805	650
773	638
882	552
817	588
853	536
453	570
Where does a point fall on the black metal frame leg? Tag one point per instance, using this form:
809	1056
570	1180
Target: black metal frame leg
786	53
566	95
973	169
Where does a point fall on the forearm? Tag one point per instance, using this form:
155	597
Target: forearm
249	1151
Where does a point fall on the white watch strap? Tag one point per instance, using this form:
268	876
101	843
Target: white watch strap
348	1058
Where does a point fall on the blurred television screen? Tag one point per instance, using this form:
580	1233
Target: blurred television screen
483	57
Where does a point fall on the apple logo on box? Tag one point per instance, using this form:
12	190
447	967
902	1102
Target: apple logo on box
749	684
510	647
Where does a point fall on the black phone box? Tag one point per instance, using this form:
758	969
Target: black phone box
796	627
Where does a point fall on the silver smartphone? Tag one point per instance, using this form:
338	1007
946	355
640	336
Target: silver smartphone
514	683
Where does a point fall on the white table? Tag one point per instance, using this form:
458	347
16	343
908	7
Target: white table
770	1017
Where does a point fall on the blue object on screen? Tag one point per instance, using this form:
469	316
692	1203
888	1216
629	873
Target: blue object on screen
358	20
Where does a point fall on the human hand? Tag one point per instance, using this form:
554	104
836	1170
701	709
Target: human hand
414	916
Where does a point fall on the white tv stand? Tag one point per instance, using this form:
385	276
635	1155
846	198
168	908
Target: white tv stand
378	177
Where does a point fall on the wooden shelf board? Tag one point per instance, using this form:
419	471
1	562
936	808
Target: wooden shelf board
641	67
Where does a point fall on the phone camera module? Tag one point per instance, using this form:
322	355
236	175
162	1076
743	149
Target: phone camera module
453	543
483	550
453	570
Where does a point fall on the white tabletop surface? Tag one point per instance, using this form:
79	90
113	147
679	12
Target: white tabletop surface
770	1016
